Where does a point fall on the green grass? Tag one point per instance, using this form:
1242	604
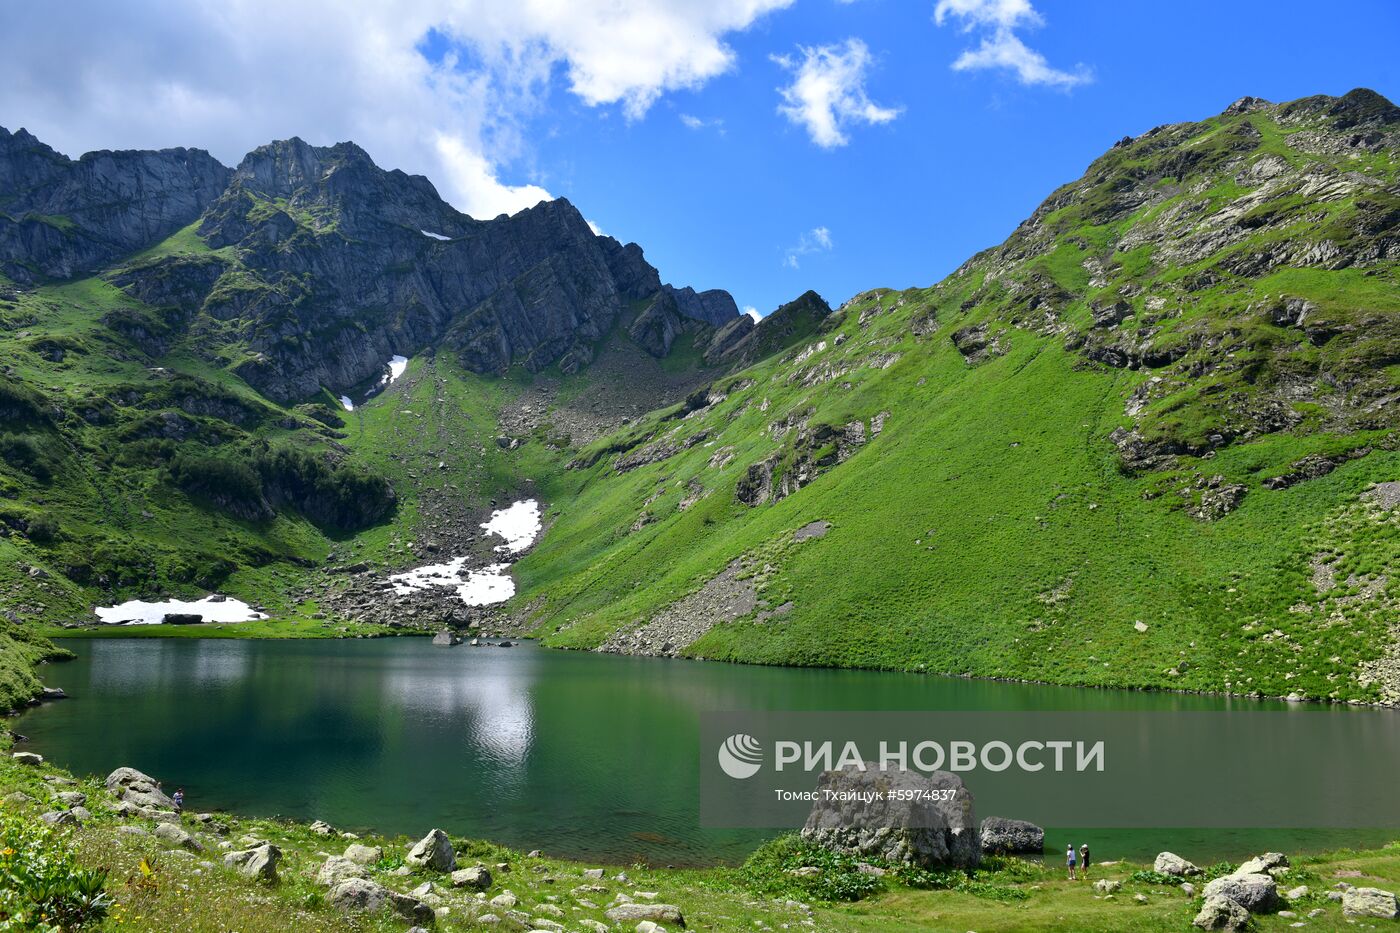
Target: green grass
990	530
156	888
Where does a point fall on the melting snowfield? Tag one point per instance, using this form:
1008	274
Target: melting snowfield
518	525
346	403
435	236
211	608
397	364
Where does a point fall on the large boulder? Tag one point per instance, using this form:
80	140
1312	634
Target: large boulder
1220	913
433	852
138	789
475	877
172	834
1169	863
855	813
258	863
1370	902
1011	837
337	869
1257	894
27	758
1263	864
360	895
363	854
446	639
638	912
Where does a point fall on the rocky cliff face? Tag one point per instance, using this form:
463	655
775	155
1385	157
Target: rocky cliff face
744	341
1189	252
327	265
60	217
337	265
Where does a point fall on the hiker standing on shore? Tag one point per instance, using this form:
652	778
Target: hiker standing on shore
1084	861
1070	861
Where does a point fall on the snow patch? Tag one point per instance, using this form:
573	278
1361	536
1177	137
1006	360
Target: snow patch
346	403
487	586
518	525
435	236
420	578
213	608
397	366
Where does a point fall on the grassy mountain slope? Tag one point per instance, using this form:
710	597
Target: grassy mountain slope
134	461
1139	443
1135	445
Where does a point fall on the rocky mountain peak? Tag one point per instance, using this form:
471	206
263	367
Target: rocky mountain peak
60	217
333	264
1359	107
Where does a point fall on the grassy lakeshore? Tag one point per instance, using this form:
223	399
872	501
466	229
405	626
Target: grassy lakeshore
193	890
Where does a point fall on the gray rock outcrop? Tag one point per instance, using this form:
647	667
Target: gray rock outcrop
63	216
1263	864
1256	893
139	790
476	877
172	834
926	832
336	869
535	288
1169	863
1221	913
433	852
258	863
637	911
1370	902
363	854
360	895
1011	837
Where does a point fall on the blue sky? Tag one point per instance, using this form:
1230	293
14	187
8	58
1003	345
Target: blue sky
912	132
969	156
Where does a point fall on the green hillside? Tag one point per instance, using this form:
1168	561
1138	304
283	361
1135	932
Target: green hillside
1136	445
1150	440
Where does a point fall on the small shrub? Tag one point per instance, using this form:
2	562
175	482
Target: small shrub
43	529
24	453
769	872
43	886
1154	877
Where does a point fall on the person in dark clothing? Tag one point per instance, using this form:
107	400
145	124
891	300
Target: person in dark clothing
1084	861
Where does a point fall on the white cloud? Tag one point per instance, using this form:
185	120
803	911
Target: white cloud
752	312
1000	47
233	74
482	194
828	93
816	240
693	122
